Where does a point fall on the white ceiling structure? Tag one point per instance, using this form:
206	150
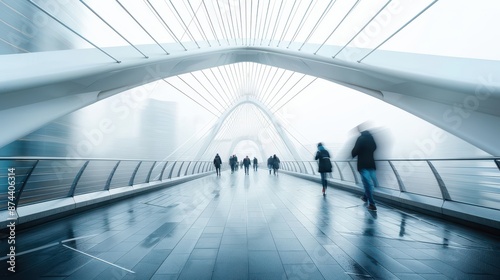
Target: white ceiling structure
60	56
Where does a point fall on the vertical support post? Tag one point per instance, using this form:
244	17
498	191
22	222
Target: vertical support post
163	170
150	171
340	171
402	187
442	186
312	168
180	169
131	181
187	168
77	178
305	168
194	167
25	181
497	163
108	182
356	180
172	170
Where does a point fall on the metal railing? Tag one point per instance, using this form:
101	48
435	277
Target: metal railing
44	179
474	181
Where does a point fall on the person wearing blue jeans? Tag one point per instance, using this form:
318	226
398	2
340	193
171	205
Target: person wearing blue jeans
363	149
324	165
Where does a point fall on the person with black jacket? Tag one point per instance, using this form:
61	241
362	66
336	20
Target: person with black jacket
276	164
246	164
217	164
270	164
324	164
363	149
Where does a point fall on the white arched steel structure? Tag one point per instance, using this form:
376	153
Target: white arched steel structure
57	83
274	121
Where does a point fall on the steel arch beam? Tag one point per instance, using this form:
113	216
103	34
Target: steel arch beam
249	100
60	82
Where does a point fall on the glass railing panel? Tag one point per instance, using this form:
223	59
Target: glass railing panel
471	181
169	169
194	167
385	176
95	176
346	171
142	174
418	178
177	167
335	171
21	170
51	179
123	173
157	169
185	167
306	167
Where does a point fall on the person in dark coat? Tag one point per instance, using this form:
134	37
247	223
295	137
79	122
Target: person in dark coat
231	163
246	164
276	164
217	164
255	163
363	149
270	164
324	164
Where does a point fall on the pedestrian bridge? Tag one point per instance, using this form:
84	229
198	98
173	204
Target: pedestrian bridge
256	226
112	112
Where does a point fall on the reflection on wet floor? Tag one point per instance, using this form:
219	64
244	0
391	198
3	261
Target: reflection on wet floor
257	226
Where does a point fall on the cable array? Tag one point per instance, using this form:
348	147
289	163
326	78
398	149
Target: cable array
325	28
308	26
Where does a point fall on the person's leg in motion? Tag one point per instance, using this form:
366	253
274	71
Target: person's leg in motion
323	182
366	178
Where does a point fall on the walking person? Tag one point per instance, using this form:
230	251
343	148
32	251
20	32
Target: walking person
217	164
255	163
270	164
236	163
364	148
276	164
231	163
246	164
324	164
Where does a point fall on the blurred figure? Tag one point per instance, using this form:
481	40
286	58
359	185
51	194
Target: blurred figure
255	163
363	149
276	164
246	164
231	163
217	164
324	164
270	164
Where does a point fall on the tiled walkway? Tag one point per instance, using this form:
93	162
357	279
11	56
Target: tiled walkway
257	226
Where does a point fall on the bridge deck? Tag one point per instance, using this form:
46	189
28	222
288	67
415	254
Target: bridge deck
255	226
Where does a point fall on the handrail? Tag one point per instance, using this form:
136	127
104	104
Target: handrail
48	178
464	180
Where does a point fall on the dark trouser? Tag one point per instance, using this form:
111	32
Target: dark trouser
246	169
217	171
323	179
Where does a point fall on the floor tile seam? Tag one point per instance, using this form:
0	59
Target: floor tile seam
413	269
424	219
295	207
364	254
446	264
414	241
